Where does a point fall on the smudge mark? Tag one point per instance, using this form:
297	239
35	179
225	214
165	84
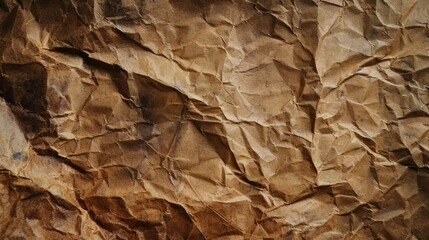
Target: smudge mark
17	155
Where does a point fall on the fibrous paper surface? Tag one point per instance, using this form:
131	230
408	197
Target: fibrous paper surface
204	119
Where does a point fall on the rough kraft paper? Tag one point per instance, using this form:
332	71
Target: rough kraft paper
212	119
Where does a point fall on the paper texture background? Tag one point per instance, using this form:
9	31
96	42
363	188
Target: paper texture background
168	119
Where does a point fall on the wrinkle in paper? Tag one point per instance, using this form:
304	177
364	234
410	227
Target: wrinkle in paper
214	119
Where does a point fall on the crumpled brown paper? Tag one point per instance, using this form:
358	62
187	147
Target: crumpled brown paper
168	119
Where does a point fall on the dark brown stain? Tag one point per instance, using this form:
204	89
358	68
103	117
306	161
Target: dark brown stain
24	85
159	103
118	12
113	215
